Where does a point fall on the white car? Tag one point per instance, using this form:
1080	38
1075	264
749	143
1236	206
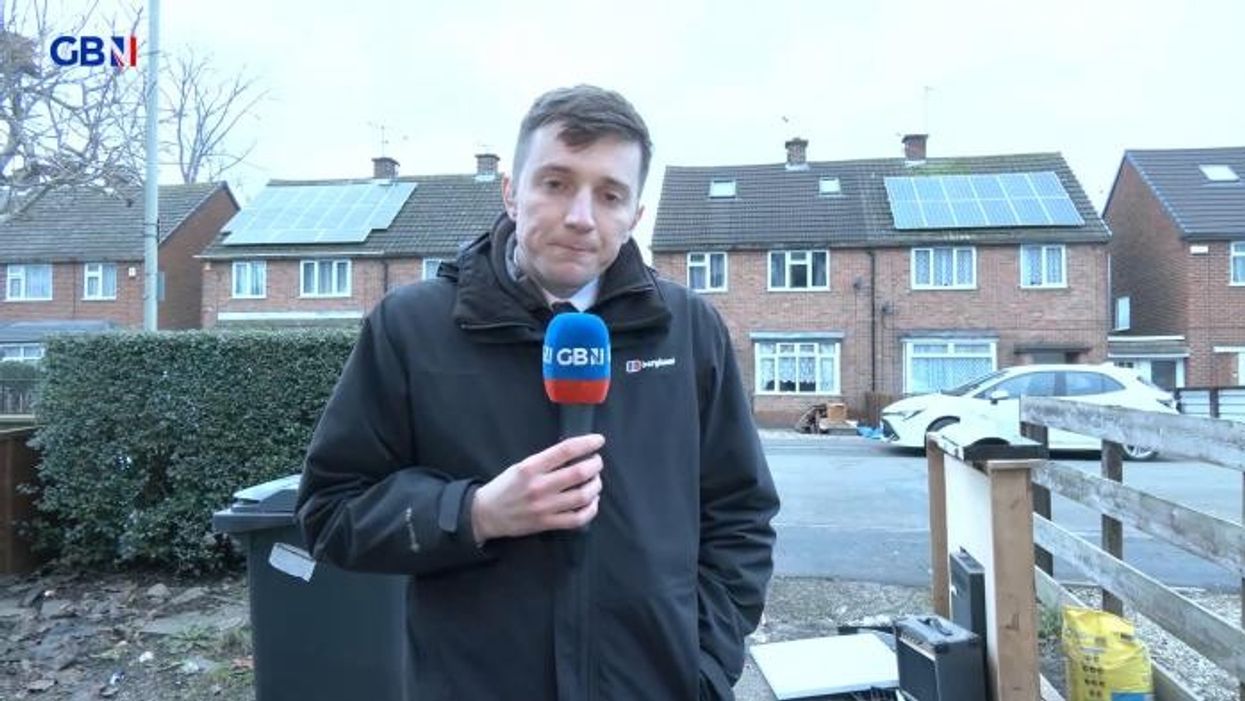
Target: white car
995	398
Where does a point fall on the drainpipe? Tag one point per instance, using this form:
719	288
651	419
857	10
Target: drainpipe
873	322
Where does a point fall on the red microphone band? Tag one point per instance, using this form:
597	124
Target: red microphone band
577	391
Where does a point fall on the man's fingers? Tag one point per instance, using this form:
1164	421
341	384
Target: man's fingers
567	520
576	497
562	453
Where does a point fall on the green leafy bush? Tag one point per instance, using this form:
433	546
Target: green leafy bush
144	435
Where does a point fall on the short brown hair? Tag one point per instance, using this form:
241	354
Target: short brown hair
586	113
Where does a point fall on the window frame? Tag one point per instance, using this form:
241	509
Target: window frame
1127	316
787	264
706	262
22	271
423	268
1236	252
100	274
315	263
836	352
955	252
262	265
909	354
718	188
22	348
1045	283
824	181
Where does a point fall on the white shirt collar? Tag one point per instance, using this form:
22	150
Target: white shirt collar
583	299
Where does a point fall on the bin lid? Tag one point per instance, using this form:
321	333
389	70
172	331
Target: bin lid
278	495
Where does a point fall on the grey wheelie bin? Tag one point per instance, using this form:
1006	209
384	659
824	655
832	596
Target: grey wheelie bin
319	632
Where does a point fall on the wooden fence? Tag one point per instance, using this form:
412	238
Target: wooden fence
1213	441
17	396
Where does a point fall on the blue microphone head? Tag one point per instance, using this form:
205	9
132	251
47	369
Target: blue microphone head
576	359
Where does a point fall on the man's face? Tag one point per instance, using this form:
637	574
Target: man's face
573	208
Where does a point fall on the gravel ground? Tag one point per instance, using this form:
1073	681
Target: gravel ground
146	637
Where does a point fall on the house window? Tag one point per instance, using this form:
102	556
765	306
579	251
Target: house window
829	186
1219	173
250	279
325	278
706	272
431	265
17	352
1123	313
1238	262
721	188
934	364
99	281
799	270
28	283
944	268
1043	266
803	367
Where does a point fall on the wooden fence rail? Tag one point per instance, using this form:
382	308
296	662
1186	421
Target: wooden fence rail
1217	442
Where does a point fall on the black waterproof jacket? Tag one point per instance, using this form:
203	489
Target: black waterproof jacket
443	391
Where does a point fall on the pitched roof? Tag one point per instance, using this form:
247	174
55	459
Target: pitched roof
88	225
443	212
775	207
1200	207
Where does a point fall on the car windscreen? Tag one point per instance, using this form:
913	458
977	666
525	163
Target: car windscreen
973	385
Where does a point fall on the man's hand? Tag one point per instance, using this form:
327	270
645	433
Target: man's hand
540	494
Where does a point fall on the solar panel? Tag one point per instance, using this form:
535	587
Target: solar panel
303	214
980	201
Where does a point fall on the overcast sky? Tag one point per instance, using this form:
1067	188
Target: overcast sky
726	82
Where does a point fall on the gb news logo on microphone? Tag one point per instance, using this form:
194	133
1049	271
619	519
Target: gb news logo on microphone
90	51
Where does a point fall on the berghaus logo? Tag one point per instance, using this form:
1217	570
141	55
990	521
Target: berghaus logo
634	366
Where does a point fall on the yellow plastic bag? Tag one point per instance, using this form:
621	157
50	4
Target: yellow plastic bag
1105	661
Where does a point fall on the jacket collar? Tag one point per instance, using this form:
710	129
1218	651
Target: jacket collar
498	308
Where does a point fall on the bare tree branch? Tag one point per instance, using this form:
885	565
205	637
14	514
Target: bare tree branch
63	126
203	112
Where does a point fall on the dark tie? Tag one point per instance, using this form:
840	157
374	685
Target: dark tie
562	308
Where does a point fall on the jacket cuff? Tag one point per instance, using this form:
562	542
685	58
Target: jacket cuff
454	523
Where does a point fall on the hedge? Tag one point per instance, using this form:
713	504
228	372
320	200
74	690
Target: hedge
144	435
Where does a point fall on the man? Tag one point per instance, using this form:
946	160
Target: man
438	454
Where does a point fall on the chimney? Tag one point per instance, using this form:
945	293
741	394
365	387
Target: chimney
914	148
384	167
486	166
797	149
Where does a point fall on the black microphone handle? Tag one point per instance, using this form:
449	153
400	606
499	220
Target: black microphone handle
575	420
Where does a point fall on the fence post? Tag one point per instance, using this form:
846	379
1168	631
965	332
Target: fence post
938	547
1112	529
1214	402
1041	497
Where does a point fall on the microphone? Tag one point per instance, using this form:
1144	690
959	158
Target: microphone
576	364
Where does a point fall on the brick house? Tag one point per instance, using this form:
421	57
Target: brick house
1178	265
74	262
324	252
891	276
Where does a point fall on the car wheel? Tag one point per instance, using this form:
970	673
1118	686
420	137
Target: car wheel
1139	454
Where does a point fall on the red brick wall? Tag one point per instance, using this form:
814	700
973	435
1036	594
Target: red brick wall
1075	315
370	279
1148	258
1173	290
1216	314
183	283
67	302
